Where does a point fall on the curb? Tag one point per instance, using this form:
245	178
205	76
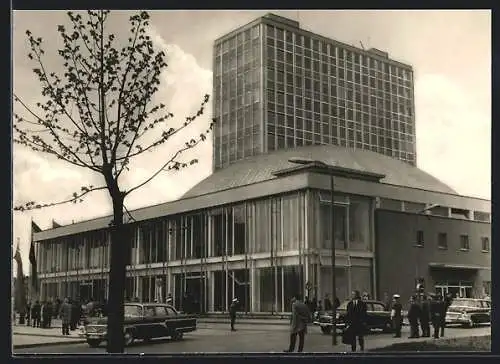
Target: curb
227	322
45	335
54	343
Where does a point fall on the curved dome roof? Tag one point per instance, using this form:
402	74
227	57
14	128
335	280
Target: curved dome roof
261	167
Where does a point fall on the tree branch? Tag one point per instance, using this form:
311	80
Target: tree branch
189	145
77	197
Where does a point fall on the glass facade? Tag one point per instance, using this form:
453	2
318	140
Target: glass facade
237	97
313	91
318	92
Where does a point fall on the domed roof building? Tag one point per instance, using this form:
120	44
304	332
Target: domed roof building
265	227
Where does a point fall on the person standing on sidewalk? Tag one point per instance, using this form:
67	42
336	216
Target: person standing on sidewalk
435	312
396	315
28	314
356	320
298	323
445	304
413	316
233	309
50	313
35	314
65	314
425	317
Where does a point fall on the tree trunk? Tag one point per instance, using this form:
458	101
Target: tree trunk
117	278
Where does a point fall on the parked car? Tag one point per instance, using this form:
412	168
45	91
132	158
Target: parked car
378	317
144	321
468	312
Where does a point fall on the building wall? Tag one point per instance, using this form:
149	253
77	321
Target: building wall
400	261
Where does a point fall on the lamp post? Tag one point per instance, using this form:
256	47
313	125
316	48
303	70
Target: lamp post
325	167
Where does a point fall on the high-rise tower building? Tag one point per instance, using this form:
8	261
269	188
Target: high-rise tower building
278	86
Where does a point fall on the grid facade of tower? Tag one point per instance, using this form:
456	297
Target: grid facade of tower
277	86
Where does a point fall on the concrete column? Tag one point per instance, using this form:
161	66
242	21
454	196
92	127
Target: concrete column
254	297
211	292
373	243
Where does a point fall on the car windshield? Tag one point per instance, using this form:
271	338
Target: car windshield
133	311
466	303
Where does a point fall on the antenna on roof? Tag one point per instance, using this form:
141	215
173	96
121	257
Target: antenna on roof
362	46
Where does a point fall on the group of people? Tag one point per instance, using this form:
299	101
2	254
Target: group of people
71	312
355	320
427	309
40	314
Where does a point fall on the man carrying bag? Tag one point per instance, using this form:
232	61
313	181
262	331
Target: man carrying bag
356	322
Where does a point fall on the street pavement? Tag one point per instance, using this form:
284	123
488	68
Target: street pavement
250	338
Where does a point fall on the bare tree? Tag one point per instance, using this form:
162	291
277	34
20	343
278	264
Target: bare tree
95	114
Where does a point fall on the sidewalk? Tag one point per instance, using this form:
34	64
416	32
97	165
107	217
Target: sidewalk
216	320
26	336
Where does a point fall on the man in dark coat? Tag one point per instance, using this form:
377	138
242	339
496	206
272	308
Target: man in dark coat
396	315
425	317
356	320
298	323
446	303
76	314
45	315
436	310
28	314
35	314
327	303
65	314
233	309
413	316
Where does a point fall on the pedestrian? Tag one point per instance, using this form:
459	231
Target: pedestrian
366	296
396	315
435	313
388	302
28	314
356	321
425	317
44	314
76	314
65	314
233	309
327	303
298	323
443	306
35	314
413	316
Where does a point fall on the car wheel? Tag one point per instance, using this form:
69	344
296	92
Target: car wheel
93	343
326	330
177	336
128	338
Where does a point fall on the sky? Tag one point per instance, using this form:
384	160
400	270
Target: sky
450	52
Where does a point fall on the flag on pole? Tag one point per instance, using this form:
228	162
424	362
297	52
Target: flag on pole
19	289
32	257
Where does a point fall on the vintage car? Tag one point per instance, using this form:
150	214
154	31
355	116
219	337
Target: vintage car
143	321
378	317
468	312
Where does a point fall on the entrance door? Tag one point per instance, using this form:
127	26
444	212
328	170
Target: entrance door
196	288
85	292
